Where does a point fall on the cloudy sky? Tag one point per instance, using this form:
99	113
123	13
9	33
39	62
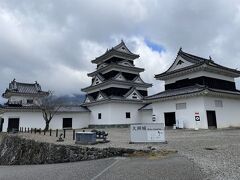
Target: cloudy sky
53	41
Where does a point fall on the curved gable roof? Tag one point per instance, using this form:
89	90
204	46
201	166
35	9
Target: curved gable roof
194	61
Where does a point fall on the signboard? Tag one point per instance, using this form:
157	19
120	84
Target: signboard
197	117
147	133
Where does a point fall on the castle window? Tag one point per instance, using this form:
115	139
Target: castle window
134	95
96	82
128	115
181	106
218	103
99	115
29	101
180	62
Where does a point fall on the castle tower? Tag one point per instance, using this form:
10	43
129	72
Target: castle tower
117	90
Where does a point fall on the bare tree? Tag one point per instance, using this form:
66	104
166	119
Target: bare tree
49	106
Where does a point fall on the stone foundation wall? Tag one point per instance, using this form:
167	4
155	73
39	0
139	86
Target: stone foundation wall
17	151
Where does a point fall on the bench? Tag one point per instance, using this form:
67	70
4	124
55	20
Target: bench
101	135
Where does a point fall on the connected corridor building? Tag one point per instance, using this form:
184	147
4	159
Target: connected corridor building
198	92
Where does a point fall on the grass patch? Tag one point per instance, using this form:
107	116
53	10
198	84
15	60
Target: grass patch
152	154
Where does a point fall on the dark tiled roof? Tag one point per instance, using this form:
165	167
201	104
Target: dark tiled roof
118	66
147	106
177	92
36	108
188	90
192	58
6	107
24	88
197	62
116	49
73	109
118	82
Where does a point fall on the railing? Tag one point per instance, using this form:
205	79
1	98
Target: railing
50	132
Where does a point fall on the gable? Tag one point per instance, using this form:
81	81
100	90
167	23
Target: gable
100	96
97	80
87	100
120	77
138	80
134	95
122	48
179	63
102	66
126	63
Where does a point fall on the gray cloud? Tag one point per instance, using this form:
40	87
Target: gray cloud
54	41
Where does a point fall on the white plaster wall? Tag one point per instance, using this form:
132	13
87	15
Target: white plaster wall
115	113
228	115
19	98
35	120
195	104
104	109
27	119
198	74
79	120
146	116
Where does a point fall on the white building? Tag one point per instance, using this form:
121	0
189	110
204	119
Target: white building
117	90
22	110
198	92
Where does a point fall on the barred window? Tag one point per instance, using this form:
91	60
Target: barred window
218	103
181	106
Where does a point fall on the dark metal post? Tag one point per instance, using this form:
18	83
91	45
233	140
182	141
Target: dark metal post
35	130
25	130
56	132
31	130
40	131
73	134
50	132
28	130
64	133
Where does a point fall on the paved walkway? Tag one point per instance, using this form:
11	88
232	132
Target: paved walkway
215	151
172	167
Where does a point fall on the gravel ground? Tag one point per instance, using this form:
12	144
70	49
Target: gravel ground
217	152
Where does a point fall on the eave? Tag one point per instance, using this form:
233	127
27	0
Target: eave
127	101
113	53
116	67
9	94
20	109
203	92
199	67
115	83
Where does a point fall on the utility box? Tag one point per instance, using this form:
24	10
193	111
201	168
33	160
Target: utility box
85	138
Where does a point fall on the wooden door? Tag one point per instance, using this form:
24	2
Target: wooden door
211	118
67	123
170	118
13	124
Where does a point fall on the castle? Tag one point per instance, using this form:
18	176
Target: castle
198	93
